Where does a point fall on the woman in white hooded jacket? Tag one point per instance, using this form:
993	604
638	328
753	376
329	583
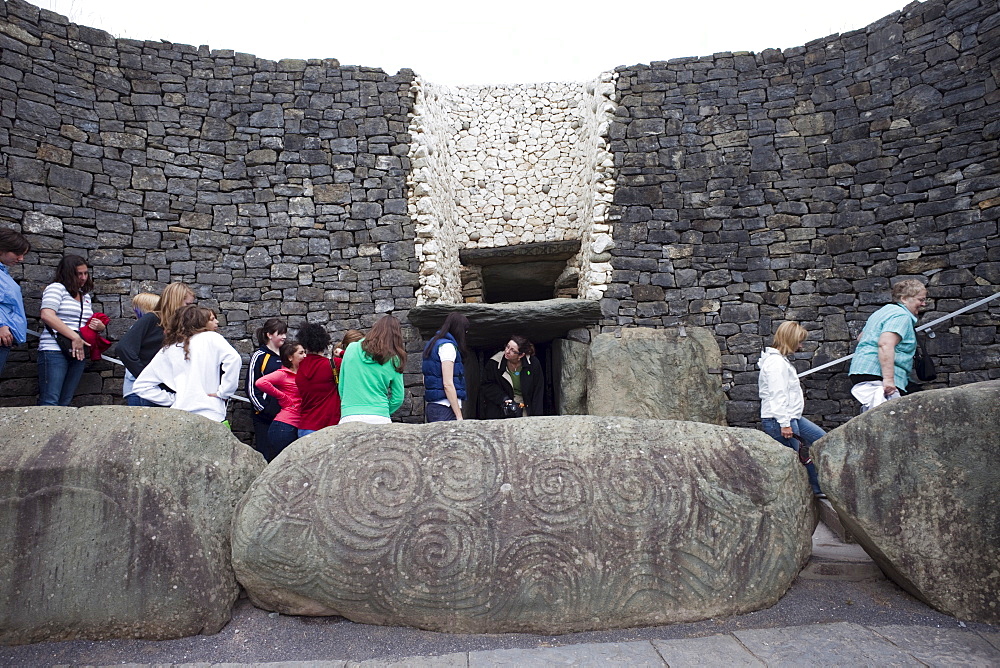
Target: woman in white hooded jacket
781	400
196	370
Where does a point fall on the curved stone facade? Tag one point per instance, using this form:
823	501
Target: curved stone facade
732	191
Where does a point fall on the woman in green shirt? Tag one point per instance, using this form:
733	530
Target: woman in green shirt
371	375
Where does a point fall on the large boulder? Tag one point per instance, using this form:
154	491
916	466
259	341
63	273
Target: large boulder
115	522
916	481
665	374
545	524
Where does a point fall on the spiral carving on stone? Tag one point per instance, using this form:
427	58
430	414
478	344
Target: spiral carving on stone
642	496
441	561
547	572
376	482
545	524
557	490
465	469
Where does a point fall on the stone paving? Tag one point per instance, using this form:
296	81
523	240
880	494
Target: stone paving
838	644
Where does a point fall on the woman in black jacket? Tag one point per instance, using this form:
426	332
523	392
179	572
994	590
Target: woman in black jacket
145	338
513	376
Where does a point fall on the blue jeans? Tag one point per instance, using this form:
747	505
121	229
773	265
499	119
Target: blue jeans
57	378
280	435
4	351
809	432
137	401
438	413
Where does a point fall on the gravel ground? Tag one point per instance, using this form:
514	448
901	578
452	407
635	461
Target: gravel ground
256	636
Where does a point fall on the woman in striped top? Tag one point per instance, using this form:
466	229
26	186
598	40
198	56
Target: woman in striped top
66	307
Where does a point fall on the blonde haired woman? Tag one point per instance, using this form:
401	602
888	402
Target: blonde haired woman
142	303
145	338
781	399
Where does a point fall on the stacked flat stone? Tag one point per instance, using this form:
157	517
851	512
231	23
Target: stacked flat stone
502	165
731	192
273	188
793	185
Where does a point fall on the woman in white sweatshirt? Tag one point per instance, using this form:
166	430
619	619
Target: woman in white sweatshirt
781	400
196	370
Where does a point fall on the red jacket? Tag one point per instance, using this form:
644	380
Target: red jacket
318	390
98	344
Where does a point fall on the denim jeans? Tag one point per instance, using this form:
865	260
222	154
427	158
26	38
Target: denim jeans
137	401
57	378
4	351
809	432
438	413
280	435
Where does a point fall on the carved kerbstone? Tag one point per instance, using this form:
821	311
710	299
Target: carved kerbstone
115	522
665	374
547	524
916	481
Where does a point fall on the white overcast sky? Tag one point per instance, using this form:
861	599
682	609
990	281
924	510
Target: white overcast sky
457	42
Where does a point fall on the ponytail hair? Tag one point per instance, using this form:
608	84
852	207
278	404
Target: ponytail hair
524	346
455	324
270	326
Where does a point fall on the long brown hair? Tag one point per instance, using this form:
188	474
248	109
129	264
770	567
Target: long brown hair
270	326
66	274
385	342
171	301
188	321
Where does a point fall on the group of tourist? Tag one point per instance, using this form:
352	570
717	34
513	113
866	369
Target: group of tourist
174	357
880	370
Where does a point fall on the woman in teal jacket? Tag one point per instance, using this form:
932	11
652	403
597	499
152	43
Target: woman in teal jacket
371	375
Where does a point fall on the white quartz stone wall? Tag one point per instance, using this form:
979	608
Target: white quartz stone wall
504	165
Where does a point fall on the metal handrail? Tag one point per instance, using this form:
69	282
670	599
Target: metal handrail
921	328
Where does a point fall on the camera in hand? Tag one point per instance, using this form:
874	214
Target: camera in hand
512	410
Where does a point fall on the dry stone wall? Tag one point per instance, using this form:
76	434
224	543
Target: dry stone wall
757	188
273	188
731	192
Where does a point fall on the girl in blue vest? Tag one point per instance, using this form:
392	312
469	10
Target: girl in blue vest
444	372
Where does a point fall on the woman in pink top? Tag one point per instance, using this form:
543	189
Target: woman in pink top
281	385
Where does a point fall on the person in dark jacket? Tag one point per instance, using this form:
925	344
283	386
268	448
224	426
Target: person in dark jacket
145	338
444	371
513	376
266	359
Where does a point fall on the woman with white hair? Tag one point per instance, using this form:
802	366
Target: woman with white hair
883	360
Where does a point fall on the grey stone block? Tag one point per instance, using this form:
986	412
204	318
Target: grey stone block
838	644
456	660
639	654
721	650
942	646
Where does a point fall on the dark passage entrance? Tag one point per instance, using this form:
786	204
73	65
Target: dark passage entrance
491	325
474	371
521	273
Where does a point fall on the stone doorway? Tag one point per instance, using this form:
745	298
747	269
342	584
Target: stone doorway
492	324
521	273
